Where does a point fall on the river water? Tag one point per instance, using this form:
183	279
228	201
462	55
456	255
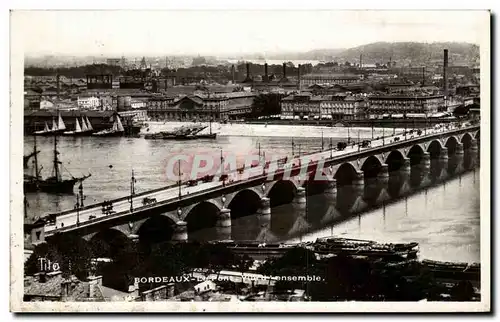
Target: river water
443	217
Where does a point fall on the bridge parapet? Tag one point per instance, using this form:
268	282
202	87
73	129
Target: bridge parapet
356	159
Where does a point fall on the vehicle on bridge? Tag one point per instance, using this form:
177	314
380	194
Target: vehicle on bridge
107	208
148	201
192	183
365	144
207	178
341	146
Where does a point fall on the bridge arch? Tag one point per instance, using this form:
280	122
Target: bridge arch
202	216
415	154
451	144
244	203
345	174
108	243
371	166
281	192
156	229
435	149
395	160
467	140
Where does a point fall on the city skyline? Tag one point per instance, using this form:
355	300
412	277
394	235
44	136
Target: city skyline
108	33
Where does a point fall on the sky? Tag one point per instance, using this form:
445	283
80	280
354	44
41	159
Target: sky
219	33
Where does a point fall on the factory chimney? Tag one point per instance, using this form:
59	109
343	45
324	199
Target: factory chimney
445	73
58	84
248	79
266	77
284	71
360	61
298	78
423	76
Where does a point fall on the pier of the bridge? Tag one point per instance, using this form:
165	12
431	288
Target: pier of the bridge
215	204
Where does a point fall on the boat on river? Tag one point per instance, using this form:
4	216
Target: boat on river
83	130
358	247
183	133
57	128
116	130
54	184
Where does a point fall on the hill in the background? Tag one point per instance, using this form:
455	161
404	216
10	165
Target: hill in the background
316	54
411	52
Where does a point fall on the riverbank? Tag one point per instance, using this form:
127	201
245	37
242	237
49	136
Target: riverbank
274	130
379	123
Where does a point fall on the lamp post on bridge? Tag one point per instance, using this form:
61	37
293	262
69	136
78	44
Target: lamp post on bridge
322	142
264	163
348	134
79	202
179	181
222	167
359	144
132	191
77	206
293	146
426	124
331	148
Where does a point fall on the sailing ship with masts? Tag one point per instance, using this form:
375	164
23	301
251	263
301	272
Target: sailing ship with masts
57	127
31	181
116	130
54	184
84	129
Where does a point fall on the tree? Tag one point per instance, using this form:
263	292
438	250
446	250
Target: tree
266	104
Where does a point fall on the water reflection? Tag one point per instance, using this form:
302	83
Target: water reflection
421	202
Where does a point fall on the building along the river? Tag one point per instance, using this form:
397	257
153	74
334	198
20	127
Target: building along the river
338	106
403	104
201	107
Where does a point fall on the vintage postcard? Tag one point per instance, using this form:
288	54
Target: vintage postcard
237	161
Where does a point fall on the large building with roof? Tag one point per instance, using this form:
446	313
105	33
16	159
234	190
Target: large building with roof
200	107
311	79
406	104
336	107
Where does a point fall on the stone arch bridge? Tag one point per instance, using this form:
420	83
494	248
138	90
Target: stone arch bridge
217	206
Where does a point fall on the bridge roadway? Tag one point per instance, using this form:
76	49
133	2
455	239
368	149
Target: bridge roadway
92	214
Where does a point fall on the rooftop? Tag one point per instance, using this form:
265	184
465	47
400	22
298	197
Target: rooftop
330	76
53	288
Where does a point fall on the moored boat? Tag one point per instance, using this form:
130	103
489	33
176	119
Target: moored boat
54	184
346	246
57	128
116	130
183	134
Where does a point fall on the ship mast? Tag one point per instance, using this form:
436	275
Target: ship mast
35	160
56	161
